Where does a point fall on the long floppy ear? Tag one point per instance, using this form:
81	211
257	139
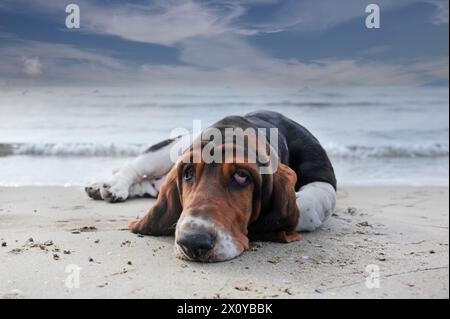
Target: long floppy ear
279	215
163	215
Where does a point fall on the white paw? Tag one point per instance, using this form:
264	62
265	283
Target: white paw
310	215
316	202
114	192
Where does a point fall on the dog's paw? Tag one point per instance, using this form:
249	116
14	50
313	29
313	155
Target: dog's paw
93	191
115	193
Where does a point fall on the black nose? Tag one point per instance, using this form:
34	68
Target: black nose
196	245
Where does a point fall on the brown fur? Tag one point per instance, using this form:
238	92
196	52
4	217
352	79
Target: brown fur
264	210
163	215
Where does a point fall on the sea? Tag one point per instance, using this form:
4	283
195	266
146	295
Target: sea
375	136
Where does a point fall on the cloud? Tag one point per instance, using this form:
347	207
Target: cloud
260	71
163	23
32	67
232	60
431	70
59	61
6	35
63	52
220	52
313	15
209	62
213	46
441	12
168	22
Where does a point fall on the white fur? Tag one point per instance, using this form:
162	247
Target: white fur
146	188
316	202
130	180
150	165
225	247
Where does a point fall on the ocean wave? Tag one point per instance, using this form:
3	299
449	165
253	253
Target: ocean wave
323	104
130	150
72	149
388	151
282	103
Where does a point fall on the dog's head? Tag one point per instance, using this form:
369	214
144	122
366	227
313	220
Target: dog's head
217	207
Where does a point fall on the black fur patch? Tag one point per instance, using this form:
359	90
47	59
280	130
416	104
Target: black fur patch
160	145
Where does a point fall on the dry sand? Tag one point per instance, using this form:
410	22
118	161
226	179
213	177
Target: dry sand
402	230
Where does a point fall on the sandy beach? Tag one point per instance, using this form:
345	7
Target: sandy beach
401	231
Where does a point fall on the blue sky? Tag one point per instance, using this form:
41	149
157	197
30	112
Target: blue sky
224	43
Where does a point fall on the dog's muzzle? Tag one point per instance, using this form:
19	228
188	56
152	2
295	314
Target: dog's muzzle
196	244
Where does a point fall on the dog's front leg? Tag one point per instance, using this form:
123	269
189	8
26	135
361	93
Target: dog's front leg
316	202
156	162
146	188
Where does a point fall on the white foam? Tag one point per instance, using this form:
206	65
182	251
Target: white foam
434	150
75	149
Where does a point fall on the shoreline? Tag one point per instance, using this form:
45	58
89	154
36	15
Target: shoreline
340	187
402	230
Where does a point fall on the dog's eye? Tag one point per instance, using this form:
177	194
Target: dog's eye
189	173
241	177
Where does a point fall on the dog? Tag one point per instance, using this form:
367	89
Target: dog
215	208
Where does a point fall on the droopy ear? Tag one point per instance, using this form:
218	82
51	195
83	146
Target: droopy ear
278	219
163	215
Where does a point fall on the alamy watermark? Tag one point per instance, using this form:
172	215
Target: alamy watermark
373	19
73	17
228	145
72	280
373	277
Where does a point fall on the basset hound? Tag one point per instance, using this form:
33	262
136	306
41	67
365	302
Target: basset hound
215	207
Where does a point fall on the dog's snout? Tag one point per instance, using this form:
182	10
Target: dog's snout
196	245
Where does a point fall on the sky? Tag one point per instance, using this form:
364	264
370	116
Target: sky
224	43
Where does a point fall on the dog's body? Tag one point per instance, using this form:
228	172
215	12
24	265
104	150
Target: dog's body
304	182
